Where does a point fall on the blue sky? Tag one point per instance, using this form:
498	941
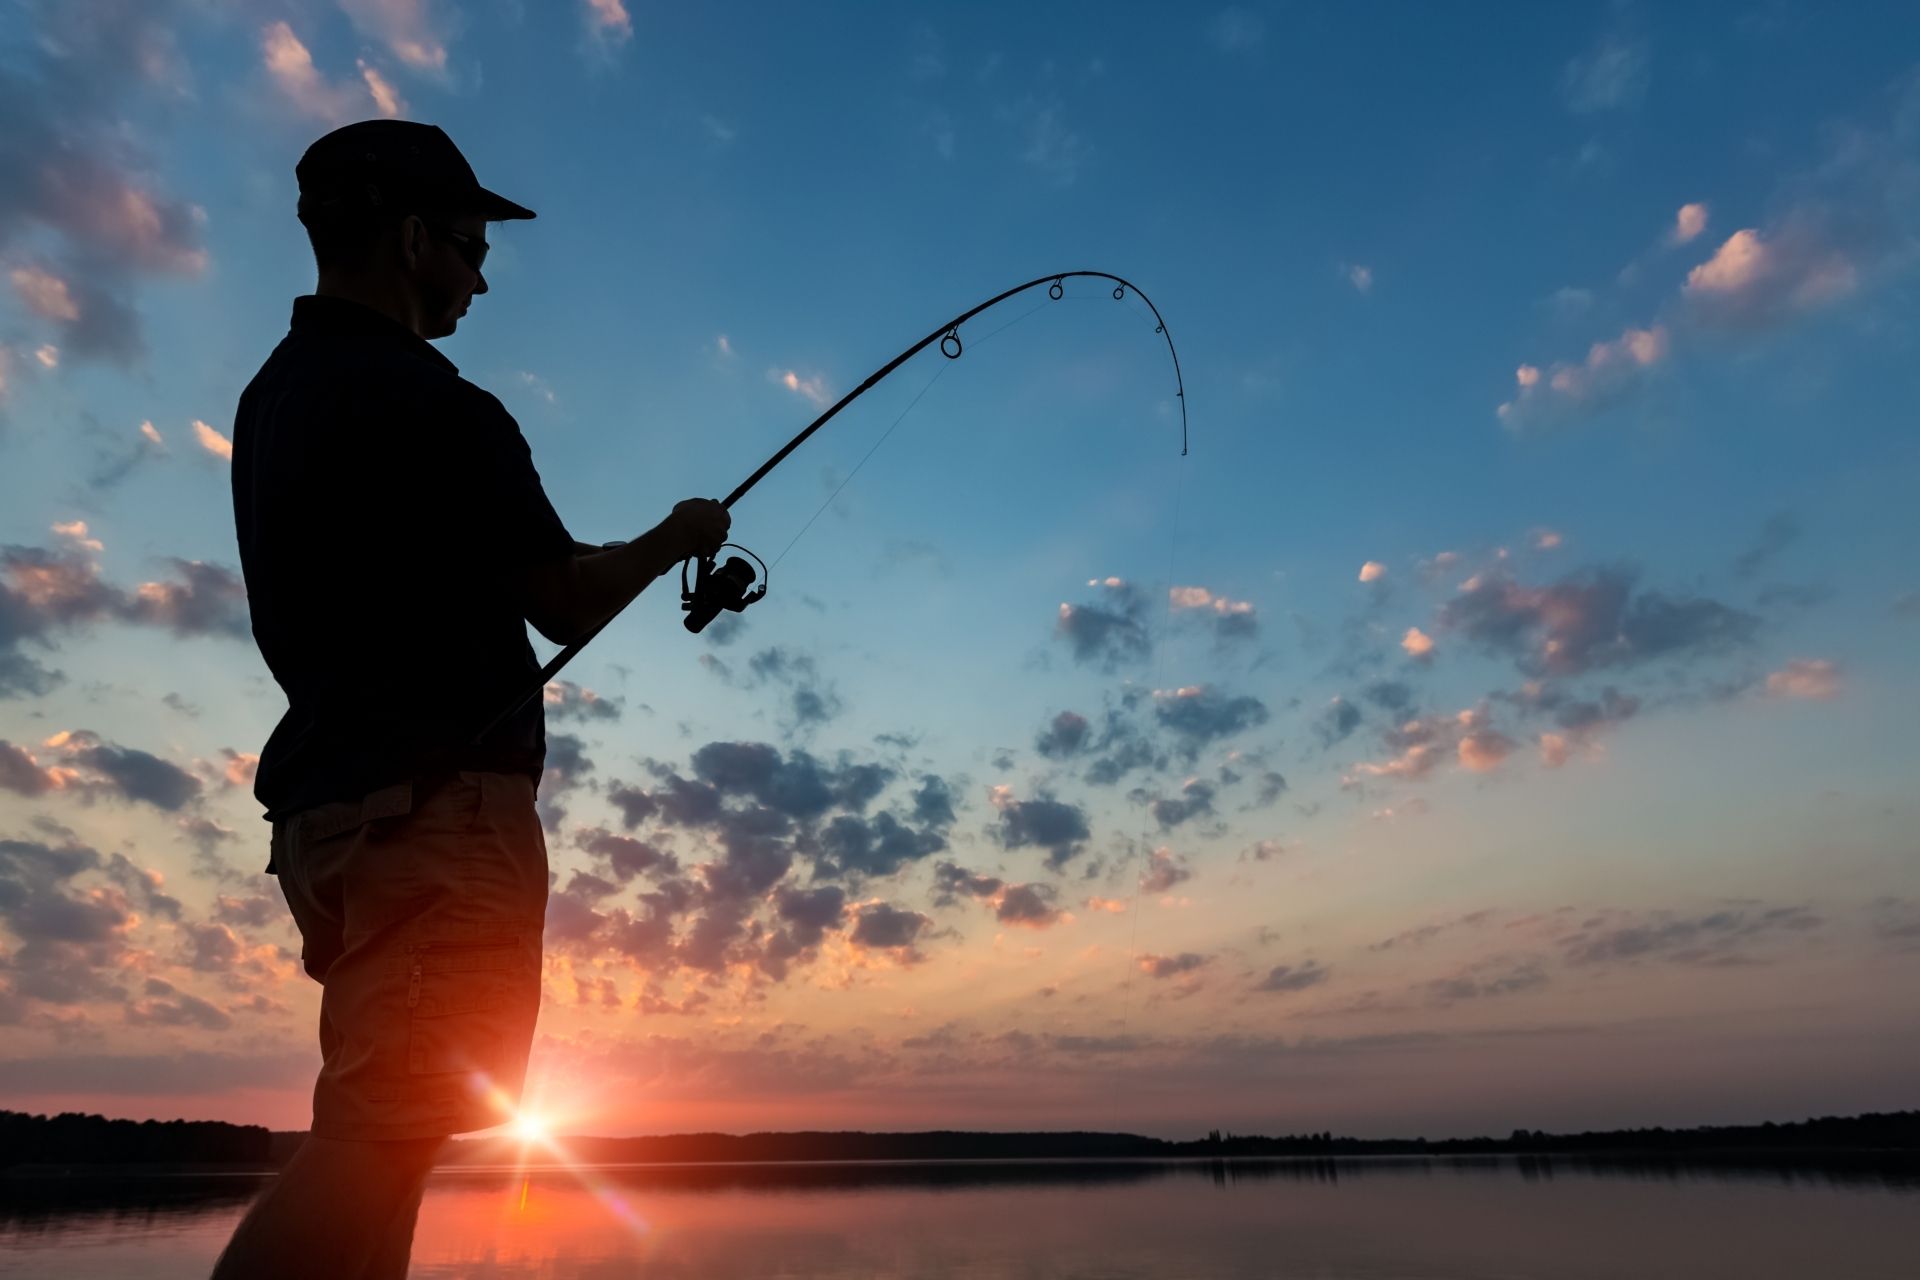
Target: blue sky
1537	593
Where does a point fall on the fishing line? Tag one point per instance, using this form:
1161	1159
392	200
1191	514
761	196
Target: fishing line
732	586
1127	1003
941	372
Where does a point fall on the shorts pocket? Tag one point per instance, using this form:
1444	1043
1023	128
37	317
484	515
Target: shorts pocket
471	1005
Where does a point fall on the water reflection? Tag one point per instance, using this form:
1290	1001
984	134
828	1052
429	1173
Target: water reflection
1337	1219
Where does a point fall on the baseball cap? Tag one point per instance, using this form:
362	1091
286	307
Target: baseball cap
394	165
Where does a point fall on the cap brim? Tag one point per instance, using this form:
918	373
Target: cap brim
497	208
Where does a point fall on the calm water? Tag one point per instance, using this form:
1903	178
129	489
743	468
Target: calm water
1324	1220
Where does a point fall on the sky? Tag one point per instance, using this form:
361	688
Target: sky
1503	716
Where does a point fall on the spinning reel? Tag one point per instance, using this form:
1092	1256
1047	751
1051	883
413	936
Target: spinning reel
728	587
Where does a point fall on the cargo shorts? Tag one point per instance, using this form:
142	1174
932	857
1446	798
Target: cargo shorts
420	908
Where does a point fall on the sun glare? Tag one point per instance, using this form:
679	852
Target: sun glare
529	1128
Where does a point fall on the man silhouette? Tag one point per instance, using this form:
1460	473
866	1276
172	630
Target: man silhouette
396	541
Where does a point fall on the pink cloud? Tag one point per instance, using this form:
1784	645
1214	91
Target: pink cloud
1610	371
609	20
1688	223
408	28
813	389
1805	678
75	531
1179	598
385	97
1754	280
45	294
212	441
1418	644
290	66
1372	571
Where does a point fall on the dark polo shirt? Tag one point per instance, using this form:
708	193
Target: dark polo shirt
380	500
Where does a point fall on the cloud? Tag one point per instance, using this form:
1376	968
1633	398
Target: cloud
72	937
212	441
240	768
1233	619
1029	906
1417	644
22	773
1107	634
42	591
1173	966
112	465
1805	678
253	911
1194	801
1288	977
75	532
99	767
880	926
1199	714
1590	620
1054	825
1165	871
1578	722
1611	75
1751	281
1498	976
1688	223
952	882
289	64
1360	277
1718	938
1482	750
812	699
163	1006
1611	371
1336	721
1064	736
566	700
45	294
386	99
811	389
71	175
1422	744
92	322
409	29
608	20
626	856
204	600
1372	571
850	845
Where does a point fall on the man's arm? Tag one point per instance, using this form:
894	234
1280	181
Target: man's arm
565	599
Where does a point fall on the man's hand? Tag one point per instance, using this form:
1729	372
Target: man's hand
698	527
566	599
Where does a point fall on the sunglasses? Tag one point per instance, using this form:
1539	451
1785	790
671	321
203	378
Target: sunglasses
472	249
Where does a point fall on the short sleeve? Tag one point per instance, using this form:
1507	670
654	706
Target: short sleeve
506	510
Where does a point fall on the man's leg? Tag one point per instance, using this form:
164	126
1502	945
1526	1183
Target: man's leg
333	1212
389	1261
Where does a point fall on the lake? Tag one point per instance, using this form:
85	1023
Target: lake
1351	1219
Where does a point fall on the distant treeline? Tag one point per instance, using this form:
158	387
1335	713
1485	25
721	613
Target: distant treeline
75	1139
1892	1131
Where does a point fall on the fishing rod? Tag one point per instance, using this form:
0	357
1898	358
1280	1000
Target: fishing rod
730	587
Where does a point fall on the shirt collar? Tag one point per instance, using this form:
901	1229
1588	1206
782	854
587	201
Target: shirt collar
342	317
